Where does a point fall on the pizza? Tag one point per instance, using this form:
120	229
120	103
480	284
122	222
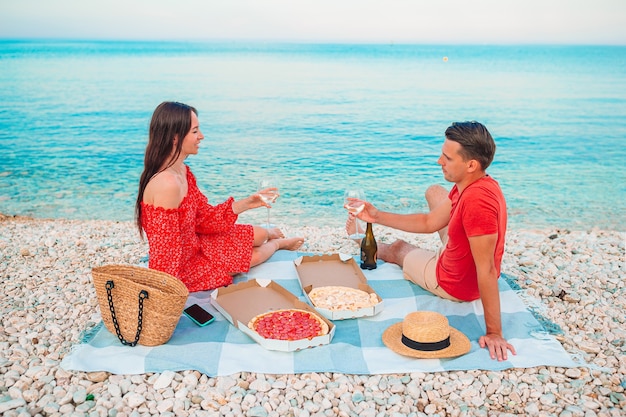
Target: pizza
288	324
333	297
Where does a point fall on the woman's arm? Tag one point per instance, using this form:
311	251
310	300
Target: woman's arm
162	229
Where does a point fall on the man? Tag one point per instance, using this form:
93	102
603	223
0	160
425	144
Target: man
471	221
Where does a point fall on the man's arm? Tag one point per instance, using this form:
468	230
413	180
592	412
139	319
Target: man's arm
483	248
431	222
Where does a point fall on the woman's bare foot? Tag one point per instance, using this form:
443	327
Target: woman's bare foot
351	228
275	233
292	243
265	251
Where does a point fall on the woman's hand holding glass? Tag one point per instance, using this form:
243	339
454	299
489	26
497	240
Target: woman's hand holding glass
268	191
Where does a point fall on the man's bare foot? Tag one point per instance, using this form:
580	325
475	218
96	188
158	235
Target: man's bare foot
292	243
395	252
351	228
275	233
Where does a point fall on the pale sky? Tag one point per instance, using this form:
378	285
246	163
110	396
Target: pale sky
399	21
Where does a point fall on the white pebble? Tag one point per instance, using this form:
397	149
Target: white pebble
260	385
573	373
164	380
114	390
165	405
134	400
11	404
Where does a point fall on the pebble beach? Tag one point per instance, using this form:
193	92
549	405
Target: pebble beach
574	279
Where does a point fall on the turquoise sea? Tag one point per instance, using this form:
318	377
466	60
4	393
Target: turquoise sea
323	117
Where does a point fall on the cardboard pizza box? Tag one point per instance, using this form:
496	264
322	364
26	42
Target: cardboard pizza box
337	270
241	302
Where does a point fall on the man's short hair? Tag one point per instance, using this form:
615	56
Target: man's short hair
475	140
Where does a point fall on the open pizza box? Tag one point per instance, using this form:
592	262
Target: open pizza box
335	270
241	302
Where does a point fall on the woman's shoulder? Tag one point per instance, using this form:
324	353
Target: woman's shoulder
164	190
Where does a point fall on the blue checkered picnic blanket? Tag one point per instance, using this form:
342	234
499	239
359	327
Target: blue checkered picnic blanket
356	348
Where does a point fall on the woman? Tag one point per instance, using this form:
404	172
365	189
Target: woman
188	238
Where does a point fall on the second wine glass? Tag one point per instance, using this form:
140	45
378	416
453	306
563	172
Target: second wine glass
269	196
354	207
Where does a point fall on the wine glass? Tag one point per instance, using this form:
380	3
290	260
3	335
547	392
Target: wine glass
269	196
354	207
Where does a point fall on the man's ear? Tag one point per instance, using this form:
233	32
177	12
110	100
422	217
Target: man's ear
473	166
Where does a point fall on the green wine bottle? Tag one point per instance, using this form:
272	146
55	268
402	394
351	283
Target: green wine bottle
369	249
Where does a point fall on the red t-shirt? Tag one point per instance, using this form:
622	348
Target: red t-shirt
479	210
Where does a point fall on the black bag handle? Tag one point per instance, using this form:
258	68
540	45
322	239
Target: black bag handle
143	294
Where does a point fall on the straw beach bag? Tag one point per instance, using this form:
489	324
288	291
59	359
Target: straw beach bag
139	305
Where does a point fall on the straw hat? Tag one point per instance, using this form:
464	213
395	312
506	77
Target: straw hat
426	334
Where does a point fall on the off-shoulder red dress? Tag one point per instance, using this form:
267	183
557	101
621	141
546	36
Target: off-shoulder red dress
198	243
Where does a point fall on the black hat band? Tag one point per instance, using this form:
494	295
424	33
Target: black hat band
428	347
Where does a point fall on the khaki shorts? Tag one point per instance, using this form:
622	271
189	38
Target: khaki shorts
419	267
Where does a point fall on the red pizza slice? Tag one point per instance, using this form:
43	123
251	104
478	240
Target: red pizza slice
288	324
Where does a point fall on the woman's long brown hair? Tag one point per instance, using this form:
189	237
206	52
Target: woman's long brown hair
170	121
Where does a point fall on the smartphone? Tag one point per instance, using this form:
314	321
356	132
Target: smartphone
199	315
